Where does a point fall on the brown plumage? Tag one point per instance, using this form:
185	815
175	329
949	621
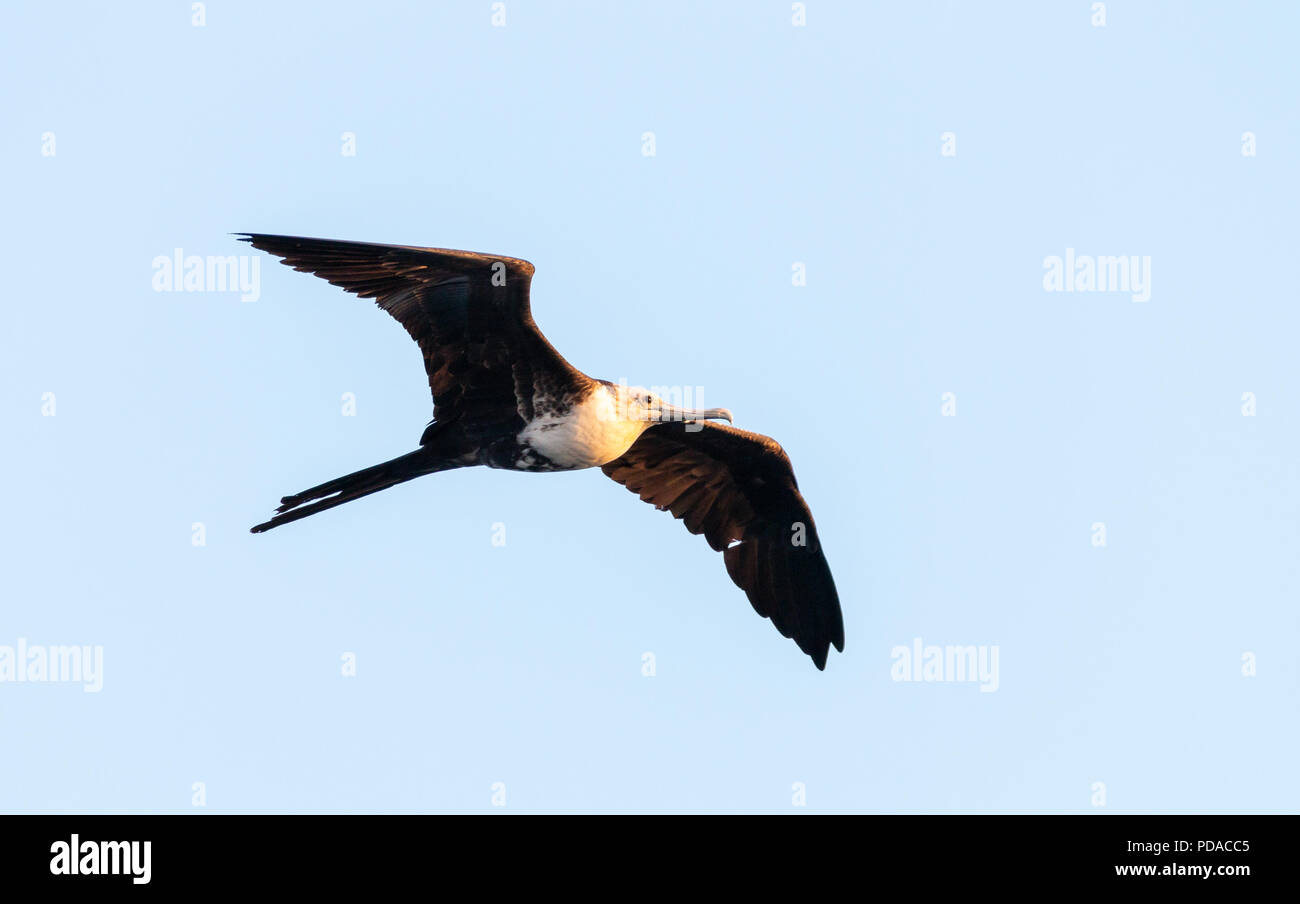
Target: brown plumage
505	398
469	313
738	489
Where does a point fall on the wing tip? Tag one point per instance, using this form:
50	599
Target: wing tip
256	239
260	240
820	655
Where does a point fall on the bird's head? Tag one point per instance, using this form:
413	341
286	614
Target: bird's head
638	405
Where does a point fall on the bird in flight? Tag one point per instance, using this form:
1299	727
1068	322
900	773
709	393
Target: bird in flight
503	397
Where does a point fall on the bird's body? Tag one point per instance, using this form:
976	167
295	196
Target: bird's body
505	398
582	431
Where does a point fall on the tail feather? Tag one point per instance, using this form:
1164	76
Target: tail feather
355	485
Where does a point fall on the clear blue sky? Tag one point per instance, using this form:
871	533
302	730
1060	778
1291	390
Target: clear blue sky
775	144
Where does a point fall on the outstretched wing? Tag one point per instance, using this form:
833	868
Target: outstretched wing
469	313
738	490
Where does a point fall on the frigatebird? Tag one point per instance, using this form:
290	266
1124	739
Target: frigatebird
503	397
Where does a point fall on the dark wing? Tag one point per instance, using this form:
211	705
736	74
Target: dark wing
731	485
469	313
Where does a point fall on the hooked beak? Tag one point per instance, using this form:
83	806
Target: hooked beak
673	413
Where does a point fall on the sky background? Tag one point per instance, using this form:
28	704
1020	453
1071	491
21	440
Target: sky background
774	144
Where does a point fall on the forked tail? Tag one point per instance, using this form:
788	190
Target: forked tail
355	485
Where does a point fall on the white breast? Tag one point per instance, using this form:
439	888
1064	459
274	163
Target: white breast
587	435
